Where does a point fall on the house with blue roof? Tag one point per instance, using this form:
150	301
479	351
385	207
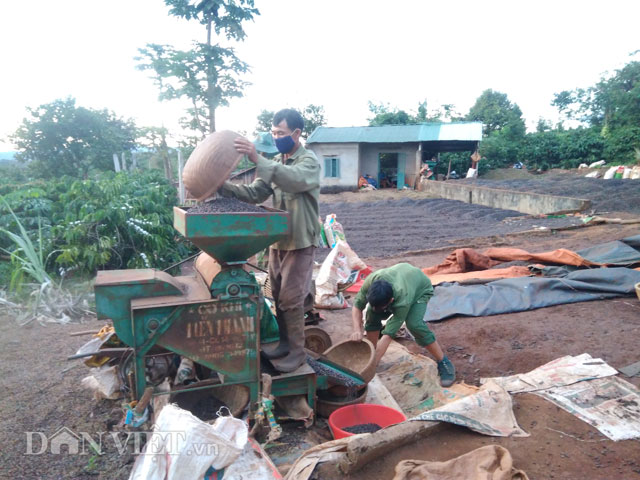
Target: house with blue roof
391	154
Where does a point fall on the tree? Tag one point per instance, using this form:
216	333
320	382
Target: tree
313	116
265	119
208	75
495	111
155	141
383	114
543	125
59	139
612	106
503	127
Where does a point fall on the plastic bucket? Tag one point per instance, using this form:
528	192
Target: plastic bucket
360	414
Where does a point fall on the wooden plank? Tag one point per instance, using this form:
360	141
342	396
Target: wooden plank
363	450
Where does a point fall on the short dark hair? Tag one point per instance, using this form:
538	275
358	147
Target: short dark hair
380	293
292	117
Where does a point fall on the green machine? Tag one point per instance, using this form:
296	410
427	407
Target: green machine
212	318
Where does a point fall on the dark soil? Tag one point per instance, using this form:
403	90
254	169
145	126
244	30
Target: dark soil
225	205
390	227
606	196
362	428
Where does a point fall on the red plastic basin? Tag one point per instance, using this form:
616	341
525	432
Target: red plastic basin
362	413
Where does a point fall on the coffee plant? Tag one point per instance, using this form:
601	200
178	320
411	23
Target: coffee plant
112	221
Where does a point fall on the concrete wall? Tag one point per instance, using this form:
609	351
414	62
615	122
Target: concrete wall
525	202
348	153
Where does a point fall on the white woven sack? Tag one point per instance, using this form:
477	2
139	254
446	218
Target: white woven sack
183	447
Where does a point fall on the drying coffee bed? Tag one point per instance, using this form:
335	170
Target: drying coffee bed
225	205
391	227
606	196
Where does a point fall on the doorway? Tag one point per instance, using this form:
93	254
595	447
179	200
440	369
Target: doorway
391	167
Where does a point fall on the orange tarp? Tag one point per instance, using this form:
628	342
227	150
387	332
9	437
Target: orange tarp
558	257
464	260
494	274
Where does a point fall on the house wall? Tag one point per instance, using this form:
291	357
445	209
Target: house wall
348	154
369	153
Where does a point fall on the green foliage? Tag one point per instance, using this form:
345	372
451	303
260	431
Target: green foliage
12	174
313	116
111	221
611	106
157	153
30	203
460	163
118	221
265	119
27	258
225	16
59	139
208	75
385	114
621	143
496	113
503	127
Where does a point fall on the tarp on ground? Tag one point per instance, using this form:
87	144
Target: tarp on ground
462	260
633	241
481	276
618	253
528	293
561	256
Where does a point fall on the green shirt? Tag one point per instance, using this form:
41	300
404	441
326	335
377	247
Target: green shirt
295	187
410	286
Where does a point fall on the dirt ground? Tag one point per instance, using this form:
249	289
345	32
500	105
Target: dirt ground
560	445
42	392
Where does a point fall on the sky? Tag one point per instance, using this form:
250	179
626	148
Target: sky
340	54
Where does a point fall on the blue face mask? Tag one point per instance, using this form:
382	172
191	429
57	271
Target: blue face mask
284	144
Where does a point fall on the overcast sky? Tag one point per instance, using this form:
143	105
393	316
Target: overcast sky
336	53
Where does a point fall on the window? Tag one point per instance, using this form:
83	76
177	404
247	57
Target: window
332	167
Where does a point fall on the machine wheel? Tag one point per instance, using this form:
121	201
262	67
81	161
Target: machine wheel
316	339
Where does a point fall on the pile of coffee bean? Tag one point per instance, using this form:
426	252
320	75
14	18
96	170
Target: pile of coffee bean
225	205
334	375
362	428
207	408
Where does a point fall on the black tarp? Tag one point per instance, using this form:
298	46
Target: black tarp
620	253
633	241
528	293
